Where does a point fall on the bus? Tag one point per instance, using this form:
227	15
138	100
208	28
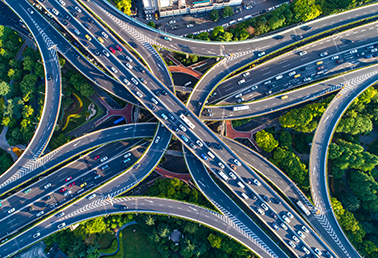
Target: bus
240	108
119	120
187	121
303	208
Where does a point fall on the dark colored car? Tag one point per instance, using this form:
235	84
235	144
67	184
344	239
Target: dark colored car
307	28
97	52
164	93
279	37
133	44
90	20
49	77
65	23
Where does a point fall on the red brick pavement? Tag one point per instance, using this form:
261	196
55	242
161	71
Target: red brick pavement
169	174
233	134
125	112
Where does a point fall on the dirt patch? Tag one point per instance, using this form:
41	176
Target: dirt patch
251	30
196	20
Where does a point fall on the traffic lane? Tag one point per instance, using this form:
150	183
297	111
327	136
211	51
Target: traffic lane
50	198
335	45
318	178
270	104
147	51
47	121
142	204
88	141
227	206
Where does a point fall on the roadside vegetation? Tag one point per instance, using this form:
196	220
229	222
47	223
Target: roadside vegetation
285	15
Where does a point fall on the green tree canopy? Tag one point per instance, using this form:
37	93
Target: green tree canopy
227	12
266	141
214	15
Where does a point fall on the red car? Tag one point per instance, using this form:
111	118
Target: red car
97	157
68	178
72	184
62	190
112	49
119	48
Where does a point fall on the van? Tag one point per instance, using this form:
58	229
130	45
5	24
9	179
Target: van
211	154
240	184
245	196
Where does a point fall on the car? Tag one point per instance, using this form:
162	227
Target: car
241	81
157	94
47	185
275	226
113	69
30	11
112	50
275	200
183	128
320	67
307	28
48	197
164	116
285	218
261	54
36	235
199	143
267	82
152	107
119	48
254	87
129	66
31	208
232	175
316	250
104	35
295	239
204	156
307	79
106	53
283	226
60	214
264	206
208	144
305	229
83	184
289	215
301	234
335	57
164	92
90	197
246	74
339	61
297	37
302	53
67	193
265	198
105	167
292	244
272	86
184	138
348	41
304	68
209	114
128	58
65	23
268	92
274	215
192	145
55	12
62	225
305	250
279	37
233	167
292	73
134	45
256	182
126	81
157	139
261	211
11	210
221	165
237	162
97	177
329	255
353	51
320	72
77	9
68	178
104	158
96	157
143	81
62	190
72	184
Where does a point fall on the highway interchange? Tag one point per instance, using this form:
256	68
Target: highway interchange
127	82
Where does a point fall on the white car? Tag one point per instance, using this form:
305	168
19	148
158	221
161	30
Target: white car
232	175
260	211
254	87
62	225
221	165
36	235
114	70
241	81
127	155
317	251
157	139
305	229
307	79
126	81
264	206
292	244
134	81
30	11
256	182
323	54
40	213
129	66
78	9
129	59
267	82
292	73
199	143
55	12
47	186
335	57
183	128
104	35
246	74
305	250
11	210
105	52
283	226
289	215
104	158
90	197
285	218
237	162
302	53
154	101
139	94
279	77
301	234
295	239
67	193
353	51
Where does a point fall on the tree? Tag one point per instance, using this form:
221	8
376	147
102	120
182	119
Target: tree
124	6
56	142
62	62
227	36
27	86
215	241
190	227
13	107
95	225
217	31
151	24
305	10
266	141
214	15
150	221
39	70
27	111
285	139
6	162
29	63
5	89
227	12
14	74
86	90
164	230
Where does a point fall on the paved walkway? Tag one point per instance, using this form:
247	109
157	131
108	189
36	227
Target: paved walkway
117	236
125	112
169	174
179	68
233	134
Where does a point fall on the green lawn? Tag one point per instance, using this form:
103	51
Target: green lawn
107	240
135	244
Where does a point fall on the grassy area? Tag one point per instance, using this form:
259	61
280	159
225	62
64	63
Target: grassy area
236	123
134	244
107	241
76	120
